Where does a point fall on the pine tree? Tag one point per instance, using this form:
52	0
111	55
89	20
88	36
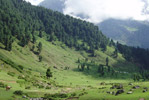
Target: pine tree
39	47
49	73
107	61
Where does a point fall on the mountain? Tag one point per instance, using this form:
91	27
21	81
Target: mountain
56	5
47	55
129	32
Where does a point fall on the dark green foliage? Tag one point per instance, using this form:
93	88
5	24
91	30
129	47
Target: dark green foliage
101	70
23	23
88	67
82	66
136	77
39	47
21	67
40	34
133	54
78	60
57	95
33	47
107	61
2	85
49	73
18	92
40	58
115	53
34	39
11	74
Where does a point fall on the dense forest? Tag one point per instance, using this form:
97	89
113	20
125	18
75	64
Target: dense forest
22	22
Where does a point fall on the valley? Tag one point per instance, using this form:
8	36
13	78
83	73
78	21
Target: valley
45	55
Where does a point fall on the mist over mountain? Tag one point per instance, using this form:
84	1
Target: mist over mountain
130	32
126	31
56	5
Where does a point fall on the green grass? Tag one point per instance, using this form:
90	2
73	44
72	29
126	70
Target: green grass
71	80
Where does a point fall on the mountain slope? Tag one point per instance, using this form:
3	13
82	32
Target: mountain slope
56	5
130	32
47	54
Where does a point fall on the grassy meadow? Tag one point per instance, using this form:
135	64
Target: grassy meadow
67	78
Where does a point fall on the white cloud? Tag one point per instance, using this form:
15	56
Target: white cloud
34	2
99	10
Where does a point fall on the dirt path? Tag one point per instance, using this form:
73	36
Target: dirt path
7	81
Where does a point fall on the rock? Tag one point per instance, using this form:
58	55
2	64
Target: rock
144	91
117	86
36	99
130	92
120	86
24	96
109	92
136	87
130	84
119	92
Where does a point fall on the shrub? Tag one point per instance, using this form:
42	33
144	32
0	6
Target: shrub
18	92
11	74
27	87
21	67
41	86
2	85
73	94
57	95
48	87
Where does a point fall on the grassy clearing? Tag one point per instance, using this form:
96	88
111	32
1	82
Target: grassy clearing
66	80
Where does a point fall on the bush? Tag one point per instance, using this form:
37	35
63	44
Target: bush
18	92
2	85
21	67
57	95
48	87
27	87
21	77
11	74
41	86
73	94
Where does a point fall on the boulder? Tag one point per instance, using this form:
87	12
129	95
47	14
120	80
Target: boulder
136	87
117	86
130	92
119	92
144	91
130	84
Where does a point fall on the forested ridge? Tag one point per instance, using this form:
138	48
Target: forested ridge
21	21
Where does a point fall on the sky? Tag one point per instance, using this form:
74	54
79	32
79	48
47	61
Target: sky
34	2
98	10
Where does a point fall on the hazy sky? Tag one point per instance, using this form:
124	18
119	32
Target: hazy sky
99	10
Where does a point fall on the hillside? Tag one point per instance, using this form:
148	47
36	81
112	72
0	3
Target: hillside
129	32
45	54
